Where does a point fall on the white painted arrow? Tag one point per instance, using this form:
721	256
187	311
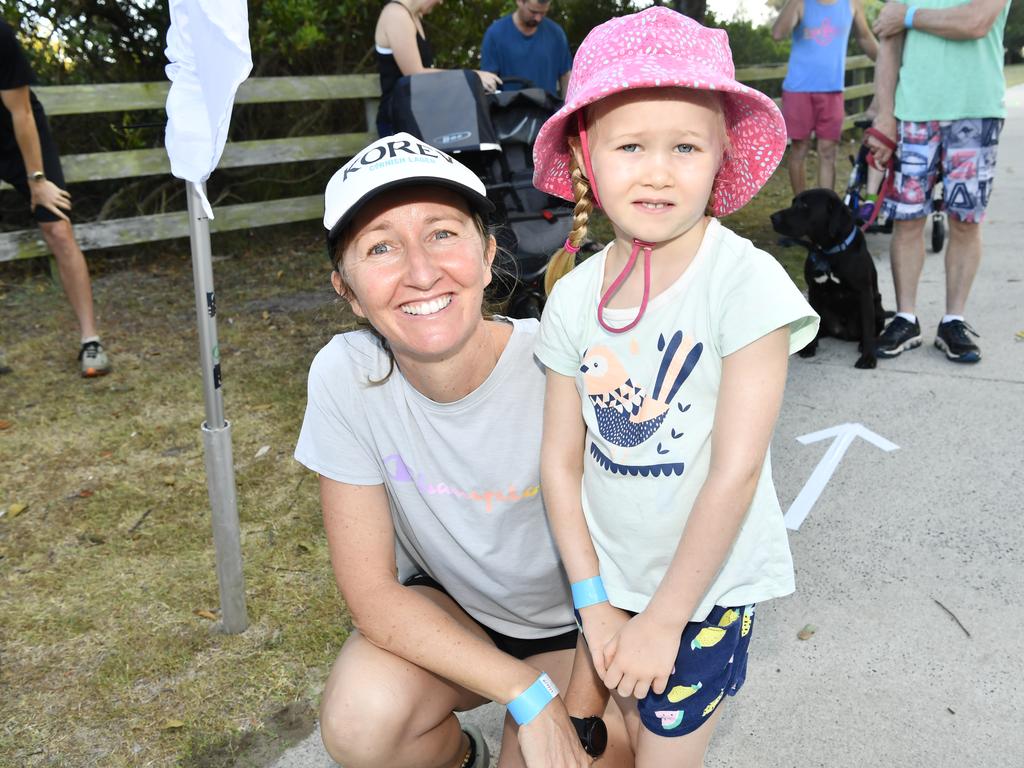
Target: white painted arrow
844	435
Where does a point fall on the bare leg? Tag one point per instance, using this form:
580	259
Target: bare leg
962	259
827	151
797	164
906	253
74	273
687	751
381	711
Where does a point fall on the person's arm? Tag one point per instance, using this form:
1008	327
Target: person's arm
360	537
489	53
563	84
43	192
399	31
749	400
788	18
970	21
867	41
561	461
887	72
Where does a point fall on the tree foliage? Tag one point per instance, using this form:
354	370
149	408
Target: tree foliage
101	41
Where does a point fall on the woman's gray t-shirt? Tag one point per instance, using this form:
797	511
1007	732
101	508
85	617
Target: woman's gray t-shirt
463	478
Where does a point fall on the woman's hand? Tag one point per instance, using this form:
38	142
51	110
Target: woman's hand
642	655
490	80
550	741
51	197
601	622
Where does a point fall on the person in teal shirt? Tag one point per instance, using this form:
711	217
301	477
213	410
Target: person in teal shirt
940	89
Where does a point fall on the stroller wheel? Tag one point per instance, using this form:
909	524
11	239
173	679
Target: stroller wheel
938	232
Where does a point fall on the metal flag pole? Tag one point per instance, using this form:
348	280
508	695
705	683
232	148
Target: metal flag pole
220	469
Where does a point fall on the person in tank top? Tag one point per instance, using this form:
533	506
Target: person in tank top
402	49
812	93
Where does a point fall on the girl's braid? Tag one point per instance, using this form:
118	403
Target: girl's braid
563	260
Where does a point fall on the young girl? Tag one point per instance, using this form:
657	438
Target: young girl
660	496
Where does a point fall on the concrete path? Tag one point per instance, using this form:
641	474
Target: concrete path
897	542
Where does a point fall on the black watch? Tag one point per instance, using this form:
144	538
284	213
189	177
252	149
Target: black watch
593	734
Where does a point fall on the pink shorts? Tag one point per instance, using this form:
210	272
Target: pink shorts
818	113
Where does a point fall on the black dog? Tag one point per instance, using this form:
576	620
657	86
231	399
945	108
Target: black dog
842	284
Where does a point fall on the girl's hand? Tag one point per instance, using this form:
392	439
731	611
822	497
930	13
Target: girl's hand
601	622
642	655
550	741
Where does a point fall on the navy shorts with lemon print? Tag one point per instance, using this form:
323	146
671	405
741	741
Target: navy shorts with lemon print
711	662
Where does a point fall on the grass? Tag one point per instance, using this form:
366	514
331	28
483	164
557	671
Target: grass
107	659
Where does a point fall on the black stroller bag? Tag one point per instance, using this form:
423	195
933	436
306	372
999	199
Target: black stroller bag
445	109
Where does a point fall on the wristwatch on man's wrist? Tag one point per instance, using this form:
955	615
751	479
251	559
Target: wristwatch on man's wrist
593	734
37	176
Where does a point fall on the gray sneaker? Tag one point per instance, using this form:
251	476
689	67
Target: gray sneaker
94	360
483	756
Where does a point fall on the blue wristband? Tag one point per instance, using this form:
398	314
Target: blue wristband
528	704
908	20
588	592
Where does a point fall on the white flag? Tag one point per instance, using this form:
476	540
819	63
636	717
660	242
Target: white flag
209	57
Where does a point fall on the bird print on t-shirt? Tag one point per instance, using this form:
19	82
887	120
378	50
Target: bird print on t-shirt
627	414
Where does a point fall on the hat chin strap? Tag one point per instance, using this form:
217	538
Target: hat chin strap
638	245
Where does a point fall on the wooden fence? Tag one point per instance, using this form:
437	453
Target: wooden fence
124	97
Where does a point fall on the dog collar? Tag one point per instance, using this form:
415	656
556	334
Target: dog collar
843	245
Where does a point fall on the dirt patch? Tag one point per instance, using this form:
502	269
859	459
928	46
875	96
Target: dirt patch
261	747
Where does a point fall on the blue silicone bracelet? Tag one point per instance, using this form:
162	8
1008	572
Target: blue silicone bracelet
588	592
528	704
908	20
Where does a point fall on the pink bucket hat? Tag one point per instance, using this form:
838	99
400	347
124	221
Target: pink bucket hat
659	48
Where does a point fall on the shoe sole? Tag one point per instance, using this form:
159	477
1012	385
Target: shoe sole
966	357
907	345
483	754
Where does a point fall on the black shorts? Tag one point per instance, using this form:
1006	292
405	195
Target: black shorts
12	168
514	646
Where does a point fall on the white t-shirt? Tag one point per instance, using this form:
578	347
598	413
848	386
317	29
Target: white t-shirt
649	398
463	478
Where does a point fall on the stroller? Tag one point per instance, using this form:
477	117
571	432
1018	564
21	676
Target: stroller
876	221
494	136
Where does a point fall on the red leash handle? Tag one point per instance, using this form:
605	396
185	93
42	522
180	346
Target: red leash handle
889	170
886	142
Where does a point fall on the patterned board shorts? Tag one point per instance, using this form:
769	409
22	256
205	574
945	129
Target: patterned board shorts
710	663
966	150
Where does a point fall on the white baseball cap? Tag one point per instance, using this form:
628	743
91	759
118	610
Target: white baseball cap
395	161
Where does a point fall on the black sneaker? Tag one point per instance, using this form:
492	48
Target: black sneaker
952	339
479	756
899	335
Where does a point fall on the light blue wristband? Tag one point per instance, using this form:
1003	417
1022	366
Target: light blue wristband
528	704
908	20
588	592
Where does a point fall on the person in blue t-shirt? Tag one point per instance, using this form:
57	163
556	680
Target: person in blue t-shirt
528	45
